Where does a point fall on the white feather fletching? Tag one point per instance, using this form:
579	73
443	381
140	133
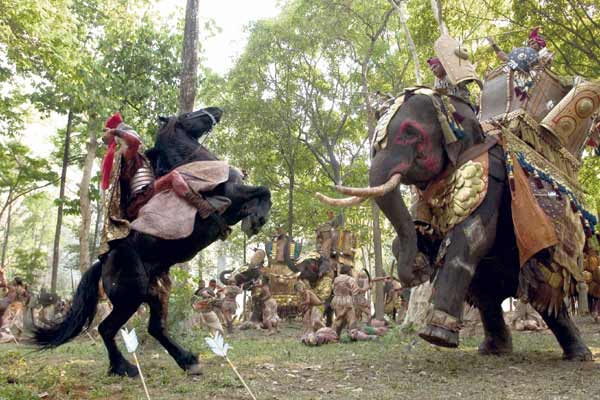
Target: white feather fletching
217	345
130	339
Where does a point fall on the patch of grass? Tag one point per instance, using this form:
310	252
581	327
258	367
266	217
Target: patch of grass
397	366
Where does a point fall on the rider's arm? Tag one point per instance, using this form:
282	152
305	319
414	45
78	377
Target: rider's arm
132	141
499	53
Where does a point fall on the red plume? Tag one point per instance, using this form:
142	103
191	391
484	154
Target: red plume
539	39
113	121
107	163
109	157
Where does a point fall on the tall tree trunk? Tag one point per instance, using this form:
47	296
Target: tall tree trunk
99	209
290	217
6	229
411	44
189	58
84	200
436	6
379	294
61	197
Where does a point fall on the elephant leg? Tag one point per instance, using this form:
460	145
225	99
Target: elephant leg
158	300
567	334
497	338
465	245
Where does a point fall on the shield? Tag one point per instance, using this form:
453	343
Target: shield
455	60
522	59
571	118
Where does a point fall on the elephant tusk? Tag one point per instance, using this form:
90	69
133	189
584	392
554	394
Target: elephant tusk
377	191
347	202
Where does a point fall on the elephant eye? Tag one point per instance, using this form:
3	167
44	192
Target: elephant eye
408	133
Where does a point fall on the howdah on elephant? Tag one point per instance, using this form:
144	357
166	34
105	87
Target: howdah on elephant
427	140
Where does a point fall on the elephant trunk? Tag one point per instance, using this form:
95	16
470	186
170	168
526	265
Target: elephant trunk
225	279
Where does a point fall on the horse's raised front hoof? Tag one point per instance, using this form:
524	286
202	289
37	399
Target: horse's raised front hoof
124	369
582	354
495	346
439	336
194	370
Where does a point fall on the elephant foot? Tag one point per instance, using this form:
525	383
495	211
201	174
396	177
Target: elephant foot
581	353
496	346
439	336
194	370
125	369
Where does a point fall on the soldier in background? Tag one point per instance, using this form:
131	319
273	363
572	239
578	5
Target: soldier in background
229	308
270	319
362	304
204	303
310	302
344	288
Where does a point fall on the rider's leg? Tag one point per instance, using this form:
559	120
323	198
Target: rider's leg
174	181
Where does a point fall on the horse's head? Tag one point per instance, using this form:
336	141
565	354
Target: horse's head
177	139
255	212
200	122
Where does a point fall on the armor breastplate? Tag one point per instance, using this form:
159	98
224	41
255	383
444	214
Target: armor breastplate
143	177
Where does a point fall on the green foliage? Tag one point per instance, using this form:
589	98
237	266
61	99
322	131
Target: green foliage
181	298
29	264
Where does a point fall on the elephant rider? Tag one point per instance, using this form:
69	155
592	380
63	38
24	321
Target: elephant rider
270	319
327	235
362	305
133	182
229	307
535	41
344	288
204	302
443	85
310	302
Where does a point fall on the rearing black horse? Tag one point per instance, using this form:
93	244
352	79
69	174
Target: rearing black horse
136	269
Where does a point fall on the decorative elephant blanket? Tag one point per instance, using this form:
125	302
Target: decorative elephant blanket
547	214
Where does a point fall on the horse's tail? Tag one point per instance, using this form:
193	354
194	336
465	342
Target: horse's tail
81	313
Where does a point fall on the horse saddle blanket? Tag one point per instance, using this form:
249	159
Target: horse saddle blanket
170	217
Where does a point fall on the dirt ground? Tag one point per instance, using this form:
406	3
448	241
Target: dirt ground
398	366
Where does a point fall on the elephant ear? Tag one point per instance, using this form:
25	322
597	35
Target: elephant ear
453	150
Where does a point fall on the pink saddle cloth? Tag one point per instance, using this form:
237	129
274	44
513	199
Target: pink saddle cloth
170	217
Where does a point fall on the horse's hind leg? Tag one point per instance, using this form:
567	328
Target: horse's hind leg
158	300
108	329
567	334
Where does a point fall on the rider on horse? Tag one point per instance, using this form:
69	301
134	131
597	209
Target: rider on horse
132	183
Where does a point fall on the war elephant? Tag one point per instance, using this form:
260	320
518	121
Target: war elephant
318	271
242	278
477	258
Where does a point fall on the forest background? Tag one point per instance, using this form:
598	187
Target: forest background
298	107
